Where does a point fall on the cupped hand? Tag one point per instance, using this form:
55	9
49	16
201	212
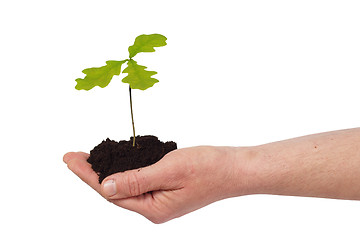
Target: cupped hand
181	182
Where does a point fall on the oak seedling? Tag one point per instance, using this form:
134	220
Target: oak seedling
137	76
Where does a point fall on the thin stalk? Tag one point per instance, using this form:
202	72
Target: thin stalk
132	116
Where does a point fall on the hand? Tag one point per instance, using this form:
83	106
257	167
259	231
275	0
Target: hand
183	181
321	165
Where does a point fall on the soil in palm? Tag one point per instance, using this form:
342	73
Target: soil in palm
110	157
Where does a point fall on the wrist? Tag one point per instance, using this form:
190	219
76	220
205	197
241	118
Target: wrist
250	171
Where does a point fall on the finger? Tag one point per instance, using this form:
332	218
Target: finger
135	204
148	205
70	155
161	176
77	163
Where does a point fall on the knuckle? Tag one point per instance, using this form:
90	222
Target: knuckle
160	216
157	219
133	184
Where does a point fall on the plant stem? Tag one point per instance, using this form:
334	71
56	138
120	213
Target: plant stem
132	116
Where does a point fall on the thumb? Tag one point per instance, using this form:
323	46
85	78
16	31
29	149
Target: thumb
139	181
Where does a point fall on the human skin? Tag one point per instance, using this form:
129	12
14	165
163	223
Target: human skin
321	165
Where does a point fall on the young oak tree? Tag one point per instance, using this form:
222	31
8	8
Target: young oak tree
138	77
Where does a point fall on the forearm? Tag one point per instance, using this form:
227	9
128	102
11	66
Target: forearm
321	165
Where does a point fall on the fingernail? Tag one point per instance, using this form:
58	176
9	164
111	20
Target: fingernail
110	188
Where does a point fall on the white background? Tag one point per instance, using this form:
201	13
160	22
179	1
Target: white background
236	73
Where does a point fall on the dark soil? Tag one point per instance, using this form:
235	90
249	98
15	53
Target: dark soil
110	157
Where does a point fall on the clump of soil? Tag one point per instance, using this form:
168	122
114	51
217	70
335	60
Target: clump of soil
110	157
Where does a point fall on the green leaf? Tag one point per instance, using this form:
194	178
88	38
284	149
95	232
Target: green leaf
138	77
100	76
146	43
